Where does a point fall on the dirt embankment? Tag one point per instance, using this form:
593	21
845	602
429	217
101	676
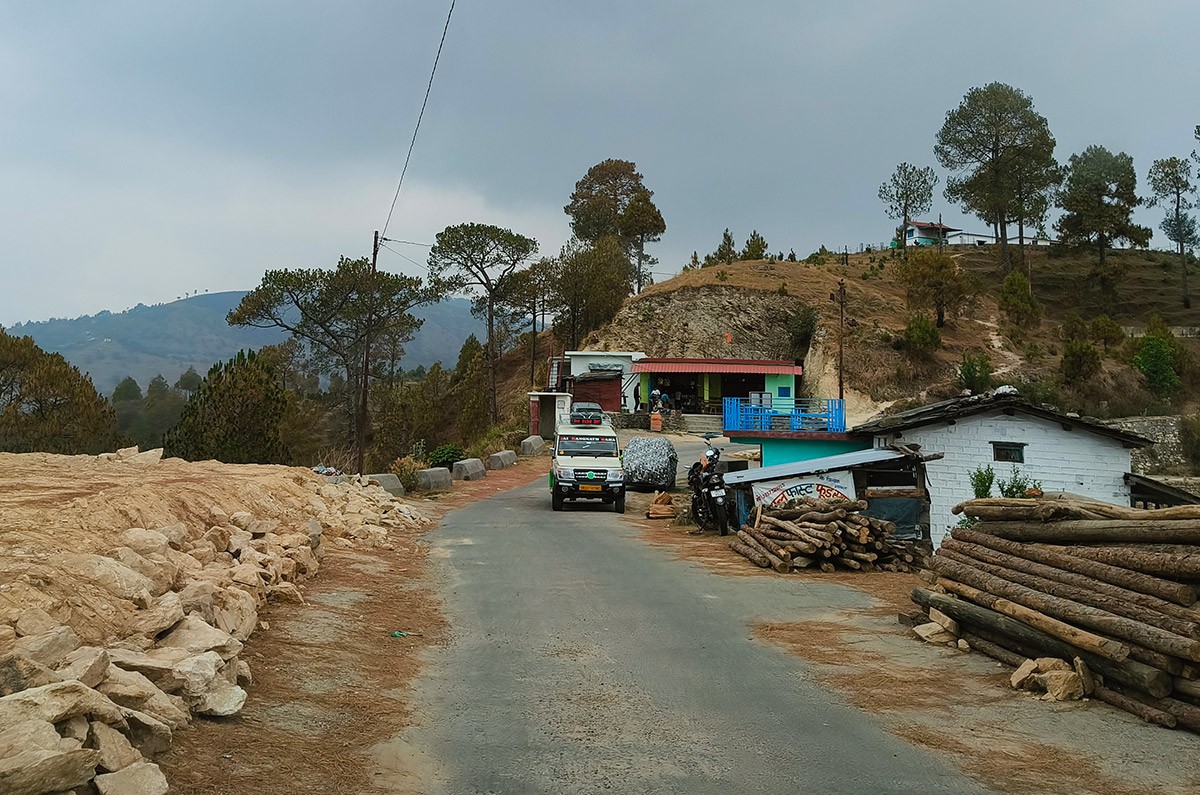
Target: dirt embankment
129	588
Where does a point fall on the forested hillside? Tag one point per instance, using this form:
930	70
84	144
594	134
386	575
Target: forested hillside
167	339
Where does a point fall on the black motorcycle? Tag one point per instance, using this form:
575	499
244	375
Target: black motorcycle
708	493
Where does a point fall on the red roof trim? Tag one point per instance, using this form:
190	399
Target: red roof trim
920	225
748	366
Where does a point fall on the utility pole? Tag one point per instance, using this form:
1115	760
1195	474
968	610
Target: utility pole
361	420
840	298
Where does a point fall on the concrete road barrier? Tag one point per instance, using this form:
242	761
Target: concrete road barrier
501	460
388	482
468	469
532	445
434	479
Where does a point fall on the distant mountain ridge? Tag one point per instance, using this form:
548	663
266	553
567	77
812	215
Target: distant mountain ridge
168	338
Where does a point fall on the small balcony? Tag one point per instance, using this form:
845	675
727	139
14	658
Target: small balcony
784	416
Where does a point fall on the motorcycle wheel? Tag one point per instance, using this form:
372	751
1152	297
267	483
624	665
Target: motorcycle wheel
721	520
700	514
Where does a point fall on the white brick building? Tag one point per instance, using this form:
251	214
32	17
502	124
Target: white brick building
1064	452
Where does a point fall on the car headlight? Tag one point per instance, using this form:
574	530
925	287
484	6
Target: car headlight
616	474
566	474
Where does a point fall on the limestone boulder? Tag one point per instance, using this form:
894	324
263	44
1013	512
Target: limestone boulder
7	635
126	453
112	575
134	691
197	636
235	611
87	664
434	479
218	537
197	597
74	729
35	621
532	445
147	733
305	560
239	541
145	542
18	672
166	612
57	702
147	457
261	527
37	771
241	519
140	778
157	665
1023	677
468	469
1047	664
48	648
933	633
29	734
501	460
161	572
177	535
242	674
220	700
1061	685
115	750
314	530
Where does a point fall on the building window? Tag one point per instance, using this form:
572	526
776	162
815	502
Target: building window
785	391
1009	452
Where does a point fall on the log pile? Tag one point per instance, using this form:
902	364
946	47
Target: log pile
1111	591
823	535
661	507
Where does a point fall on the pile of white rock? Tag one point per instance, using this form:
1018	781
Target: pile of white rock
87	717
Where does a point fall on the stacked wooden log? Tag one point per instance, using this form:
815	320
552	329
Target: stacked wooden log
1113	588
661	507
823	535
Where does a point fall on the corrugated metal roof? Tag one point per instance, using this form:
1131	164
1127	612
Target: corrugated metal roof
827	464
1004	398
753	366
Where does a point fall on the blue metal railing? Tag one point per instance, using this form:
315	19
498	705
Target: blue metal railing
786	416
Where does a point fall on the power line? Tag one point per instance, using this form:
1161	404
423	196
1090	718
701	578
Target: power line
406	242
405	256
420	116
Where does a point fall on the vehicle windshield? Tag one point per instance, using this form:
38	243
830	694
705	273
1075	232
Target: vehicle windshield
595	446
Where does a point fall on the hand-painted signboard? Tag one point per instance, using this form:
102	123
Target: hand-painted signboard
826	486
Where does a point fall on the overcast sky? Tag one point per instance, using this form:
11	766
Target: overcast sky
149	148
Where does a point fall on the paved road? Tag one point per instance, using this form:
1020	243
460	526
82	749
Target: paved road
585	661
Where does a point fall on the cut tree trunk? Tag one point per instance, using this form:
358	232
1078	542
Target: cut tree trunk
1096	644
1115	592
1135	707
773	560
1134	580
1162	564
1087	596
1134	674
1010	658
750	554
1099	531
1071	611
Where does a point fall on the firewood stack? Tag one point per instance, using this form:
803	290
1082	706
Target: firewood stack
1112	590
823	534
661	507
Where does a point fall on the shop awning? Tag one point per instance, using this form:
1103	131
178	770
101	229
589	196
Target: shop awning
745	366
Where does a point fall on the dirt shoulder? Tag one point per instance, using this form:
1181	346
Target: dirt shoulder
332	680
953	703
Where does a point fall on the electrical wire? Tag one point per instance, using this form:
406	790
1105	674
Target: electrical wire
420	116
404	256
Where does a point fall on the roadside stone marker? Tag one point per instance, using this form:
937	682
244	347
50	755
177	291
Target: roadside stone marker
501	460
434	479
532	445
388	482
468	469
